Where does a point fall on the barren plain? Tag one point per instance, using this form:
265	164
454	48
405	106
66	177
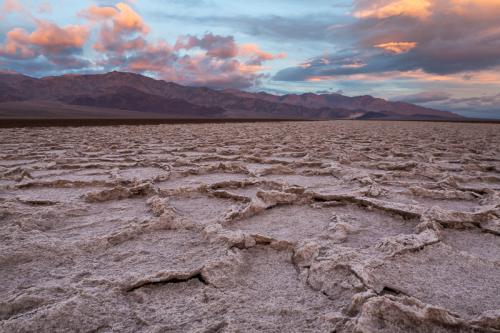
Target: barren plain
257	227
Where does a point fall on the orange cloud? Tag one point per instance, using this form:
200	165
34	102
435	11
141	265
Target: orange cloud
118	25
122	16
397	47
354	64
423	9
475	8
54	38
17	45
10	6
420	9
128	19
219	66
99	13
224	62
122	44
476	78
241	70
253	50
47	39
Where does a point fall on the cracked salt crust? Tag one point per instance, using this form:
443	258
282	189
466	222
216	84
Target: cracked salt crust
272	227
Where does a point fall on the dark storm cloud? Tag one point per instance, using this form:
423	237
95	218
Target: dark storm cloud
347	62
437	37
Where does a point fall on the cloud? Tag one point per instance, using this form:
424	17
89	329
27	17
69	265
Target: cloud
46	46
10	6
53	39
17	45
437	37
484	106
224	64
222	47
397	47
256	56
58	44
214	72
424	97
381	9
123	18
344	63
481	102
117	24
329	92
123	44
151	57
304	28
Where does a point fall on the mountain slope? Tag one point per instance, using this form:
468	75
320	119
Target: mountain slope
366	103
127	98
134	92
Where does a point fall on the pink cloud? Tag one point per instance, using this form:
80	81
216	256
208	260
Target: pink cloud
11	6
257	55
420	40
397	47
382	9
47	39
117	24
17	45
215	46
122	17
122	43
54	39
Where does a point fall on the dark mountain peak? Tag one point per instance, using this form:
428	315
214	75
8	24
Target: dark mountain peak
365	97
9	83
121	74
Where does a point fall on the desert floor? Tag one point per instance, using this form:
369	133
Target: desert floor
268	227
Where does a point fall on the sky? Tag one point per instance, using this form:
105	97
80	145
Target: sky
443	54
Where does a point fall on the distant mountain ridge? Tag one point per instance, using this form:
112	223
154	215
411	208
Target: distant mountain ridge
365	103
138	93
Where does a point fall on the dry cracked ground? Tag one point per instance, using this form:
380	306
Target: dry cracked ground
271	227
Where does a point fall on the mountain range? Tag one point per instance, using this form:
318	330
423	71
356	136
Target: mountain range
129	95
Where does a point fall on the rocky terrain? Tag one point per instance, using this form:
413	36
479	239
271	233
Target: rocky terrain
272	227
119	94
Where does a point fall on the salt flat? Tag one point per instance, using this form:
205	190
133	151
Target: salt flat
257	227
